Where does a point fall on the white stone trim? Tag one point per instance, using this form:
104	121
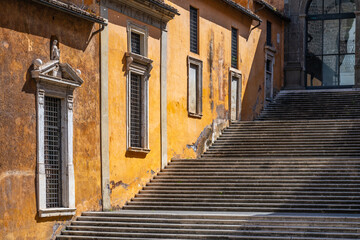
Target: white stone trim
143	31
199	64
59	81
235	73
139	65
269	55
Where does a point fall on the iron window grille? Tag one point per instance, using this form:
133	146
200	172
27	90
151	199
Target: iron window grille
194	30
135	43
52	152
234	47
136	112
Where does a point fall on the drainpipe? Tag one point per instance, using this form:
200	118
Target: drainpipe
259	21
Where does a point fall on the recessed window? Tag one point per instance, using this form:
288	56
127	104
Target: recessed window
136	111
234	47
135	43
137	39
56	83
268	33
194	32
138	74
194	87
52	152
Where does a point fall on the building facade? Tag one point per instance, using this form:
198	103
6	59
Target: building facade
322	44
99	96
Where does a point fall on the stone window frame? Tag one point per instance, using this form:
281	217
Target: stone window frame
68	180
269	55
143	31
235	73
142	66
199	83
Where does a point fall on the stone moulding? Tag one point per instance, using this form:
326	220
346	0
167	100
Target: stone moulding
141	65
57	80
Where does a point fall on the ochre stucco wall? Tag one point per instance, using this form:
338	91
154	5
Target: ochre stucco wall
186	135
130	171
216	20
25	32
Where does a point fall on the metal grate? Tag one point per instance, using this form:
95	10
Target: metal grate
135	43
53	152
234	47
193	30
135	111
268	33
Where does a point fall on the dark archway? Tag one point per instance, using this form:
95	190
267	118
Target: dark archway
330	43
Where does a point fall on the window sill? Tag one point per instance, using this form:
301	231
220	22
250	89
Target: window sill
138	150
56	212
195	115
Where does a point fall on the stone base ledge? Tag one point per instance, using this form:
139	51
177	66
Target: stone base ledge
56	212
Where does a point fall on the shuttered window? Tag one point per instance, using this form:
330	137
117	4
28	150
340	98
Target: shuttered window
135	111
135	43
194	30
52	154
268	33
234	47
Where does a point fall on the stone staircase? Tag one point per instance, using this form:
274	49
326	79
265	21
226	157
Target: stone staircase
293	174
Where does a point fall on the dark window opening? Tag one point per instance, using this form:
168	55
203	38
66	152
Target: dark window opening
135	111
52	152
234	48
194	30
135	43
268	34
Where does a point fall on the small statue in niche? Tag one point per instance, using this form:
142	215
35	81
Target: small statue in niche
55	51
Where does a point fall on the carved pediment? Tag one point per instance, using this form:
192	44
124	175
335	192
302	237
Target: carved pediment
138	63
56	73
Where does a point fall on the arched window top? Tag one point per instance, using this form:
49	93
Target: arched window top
326	7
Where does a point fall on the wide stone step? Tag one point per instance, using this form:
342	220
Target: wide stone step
232	201
231	198
247	208
276	192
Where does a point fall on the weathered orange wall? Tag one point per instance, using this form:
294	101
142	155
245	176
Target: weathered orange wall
25	31
130	171
216	20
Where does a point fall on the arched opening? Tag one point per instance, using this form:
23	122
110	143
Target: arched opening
330	45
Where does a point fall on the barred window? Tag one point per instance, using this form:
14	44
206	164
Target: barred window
194	30
234	47
52	154
135	43
136	111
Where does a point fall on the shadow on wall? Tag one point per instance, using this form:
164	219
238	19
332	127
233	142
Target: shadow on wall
37	24
209	7
39	20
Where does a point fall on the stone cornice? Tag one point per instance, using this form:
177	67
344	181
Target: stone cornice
144	11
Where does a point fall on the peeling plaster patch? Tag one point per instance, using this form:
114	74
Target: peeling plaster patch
30	44
57	229
221	112
116	184
5	44
16	174
208	136
211	65
152	172
220	69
